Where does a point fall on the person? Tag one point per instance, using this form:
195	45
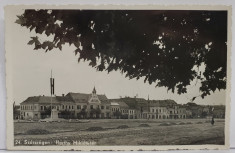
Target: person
212	121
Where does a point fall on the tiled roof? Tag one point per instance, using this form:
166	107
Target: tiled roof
40	100
64	98
162	103
105	102
135	103
83	98
121	103
70	97
102	97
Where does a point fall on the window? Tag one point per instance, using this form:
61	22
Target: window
69	106
72	106
78	106
102	107
62	106
152	110
84	106
91	107
41	107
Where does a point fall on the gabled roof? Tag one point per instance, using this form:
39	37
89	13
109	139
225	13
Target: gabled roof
83	98
105	102
102	97
40	100
123	105
79	96
64	99
119	102
162	103
135	103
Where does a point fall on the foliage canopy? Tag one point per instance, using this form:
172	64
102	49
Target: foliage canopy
165	47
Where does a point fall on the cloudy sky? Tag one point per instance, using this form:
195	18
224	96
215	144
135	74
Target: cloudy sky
30	70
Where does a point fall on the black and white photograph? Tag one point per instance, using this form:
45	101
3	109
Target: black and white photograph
117	77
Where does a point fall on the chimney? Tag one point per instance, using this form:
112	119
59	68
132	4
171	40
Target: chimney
62	95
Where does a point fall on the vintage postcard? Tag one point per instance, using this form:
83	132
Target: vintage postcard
109	77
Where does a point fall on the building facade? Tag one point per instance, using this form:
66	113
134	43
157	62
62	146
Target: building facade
93	105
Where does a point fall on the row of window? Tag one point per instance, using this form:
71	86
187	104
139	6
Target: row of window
159	110
27	107
115	109
166	116
122	110
165	110
68	107
71	107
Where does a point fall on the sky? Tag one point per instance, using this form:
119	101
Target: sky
31	71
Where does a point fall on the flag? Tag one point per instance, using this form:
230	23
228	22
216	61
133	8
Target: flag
52	86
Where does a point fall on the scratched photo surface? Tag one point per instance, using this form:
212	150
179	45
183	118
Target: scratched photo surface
117	77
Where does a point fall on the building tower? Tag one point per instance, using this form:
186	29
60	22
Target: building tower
94	91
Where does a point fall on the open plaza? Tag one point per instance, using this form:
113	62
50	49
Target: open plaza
121	132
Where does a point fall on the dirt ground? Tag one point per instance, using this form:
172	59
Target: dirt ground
123	132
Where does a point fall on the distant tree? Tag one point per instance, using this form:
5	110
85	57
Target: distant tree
117	114
16	112
124	116
65	114
83	113
46	112
165	47
97	112
204	114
